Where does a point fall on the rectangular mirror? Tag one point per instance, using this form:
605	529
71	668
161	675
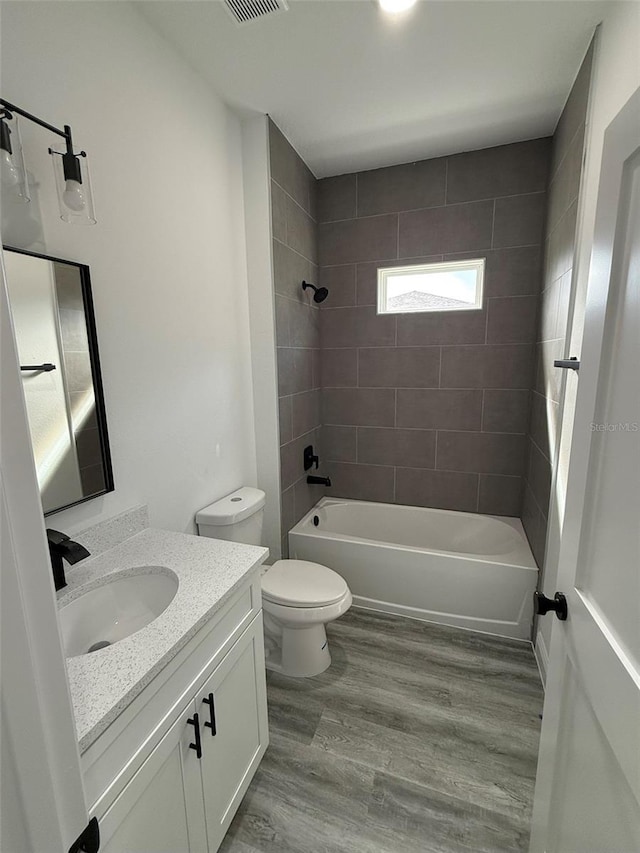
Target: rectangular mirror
53	317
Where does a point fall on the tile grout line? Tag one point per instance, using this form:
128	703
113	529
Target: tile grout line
446	180
436	254
429	207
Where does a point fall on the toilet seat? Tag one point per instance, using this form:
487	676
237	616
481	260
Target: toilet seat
300	584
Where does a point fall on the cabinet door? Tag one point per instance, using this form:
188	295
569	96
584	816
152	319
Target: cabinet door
161	808
232	754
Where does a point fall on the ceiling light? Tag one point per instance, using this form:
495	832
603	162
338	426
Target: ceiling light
394	7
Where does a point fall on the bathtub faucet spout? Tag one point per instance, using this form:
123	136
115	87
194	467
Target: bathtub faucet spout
319	481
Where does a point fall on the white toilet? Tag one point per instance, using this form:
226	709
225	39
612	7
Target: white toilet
298	598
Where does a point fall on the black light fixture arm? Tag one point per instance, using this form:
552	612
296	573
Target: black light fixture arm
70	162
12	108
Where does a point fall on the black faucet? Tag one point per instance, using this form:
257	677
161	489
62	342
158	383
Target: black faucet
319	481
61	547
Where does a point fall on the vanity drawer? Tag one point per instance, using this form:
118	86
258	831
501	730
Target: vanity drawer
109	763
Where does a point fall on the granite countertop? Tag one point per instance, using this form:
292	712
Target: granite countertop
209	571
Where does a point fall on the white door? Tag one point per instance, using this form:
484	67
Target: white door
587	797
232	706
160	810
44	797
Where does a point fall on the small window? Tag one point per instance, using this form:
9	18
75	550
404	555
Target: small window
450	286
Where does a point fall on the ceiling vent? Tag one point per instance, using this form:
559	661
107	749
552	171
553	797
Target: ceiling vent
245	11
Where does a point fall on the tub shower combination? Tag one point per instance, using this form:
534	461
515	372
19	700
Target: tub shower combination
455	568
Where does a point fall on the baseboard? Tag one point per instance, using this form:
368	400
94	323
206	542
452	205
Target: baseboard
542	657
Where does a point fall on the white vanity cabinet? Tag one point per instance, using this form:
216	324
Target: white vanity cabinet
180	789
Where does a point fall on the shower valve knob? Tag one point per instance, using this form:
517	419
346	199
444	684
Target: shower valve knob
542	604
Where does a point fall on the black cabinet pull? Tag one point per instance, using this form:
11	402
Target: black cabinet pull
208	700
195	722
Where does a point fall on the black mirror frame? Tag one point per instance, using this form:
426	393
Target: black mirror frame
94	358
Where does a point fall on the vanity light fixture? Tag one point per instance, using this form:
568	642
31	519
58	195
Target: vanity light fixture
73	183
12	168
395	7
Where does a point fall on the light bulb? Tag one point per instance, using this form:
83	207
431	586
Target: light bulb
73	196
10	174
395	6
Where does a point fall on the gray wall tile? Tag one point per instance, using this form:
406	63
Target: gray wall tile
544	422
539	476
439	409
361	482
519	220
500	495
401	367
305	412
339	368
482	452
358	406
289	271
88	447
341	283
521	167
359	327
278	212
285	421
459	228
505	411
282	321
295	370
288	510
496	366
512	320
574	112
407	187
415	448
513	272
449	327
301	231
534	523
339	443
289	170
337	198
439	489
304	325
353	240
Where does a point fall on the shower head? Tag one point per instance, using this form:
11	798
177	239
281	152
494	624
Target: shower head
319	293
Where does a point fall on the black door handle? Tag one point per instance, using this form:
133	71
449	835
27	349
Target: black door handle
542	605
195	722
208	700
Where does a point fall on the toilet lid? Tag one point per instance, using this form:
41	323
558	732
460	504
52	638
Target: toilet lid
298	583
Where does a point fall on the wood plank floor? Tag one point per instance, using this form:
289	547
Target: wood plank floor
417	739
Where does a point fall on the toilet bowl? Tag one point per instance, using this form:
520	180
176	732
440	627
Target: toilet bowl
299	598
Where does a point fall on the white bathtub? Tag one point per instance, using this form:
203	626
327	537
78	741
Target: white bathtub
455	568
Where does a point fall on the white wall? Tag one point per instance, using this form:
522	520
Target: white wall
616	77
167	256
257	206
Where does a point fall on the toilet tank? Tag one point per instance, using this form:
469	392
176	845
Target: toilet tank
237	518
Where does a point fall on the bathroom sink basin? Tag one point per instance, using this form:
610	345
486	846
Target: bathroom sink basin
115	609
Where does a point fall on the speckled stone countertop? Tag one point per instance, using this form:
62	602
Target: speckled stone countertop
105	682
